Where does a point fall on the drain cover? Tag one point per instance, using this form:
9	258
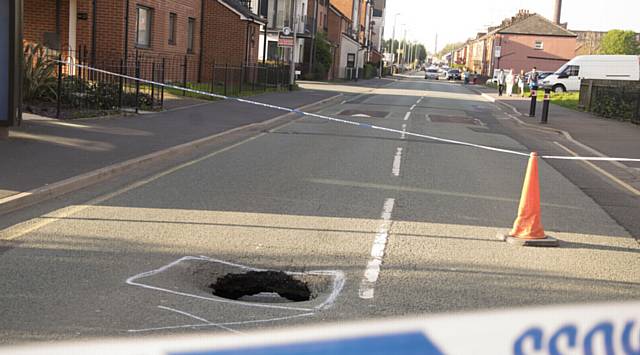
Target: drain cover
261	285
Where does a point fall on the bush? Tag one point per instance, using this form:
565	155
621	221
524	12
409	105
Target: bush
369	71
38	76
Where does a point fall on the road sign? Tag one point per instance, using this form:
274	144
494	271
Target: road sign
10	61
284	41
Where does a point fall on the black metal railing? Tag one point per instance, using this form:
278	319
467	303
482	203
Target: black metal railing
89	86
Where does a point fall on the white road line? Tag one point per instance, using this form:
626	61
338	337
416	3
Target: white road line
623	184
397	159
420	99
404	131
412	107
406	116
372	271
427	117
343	102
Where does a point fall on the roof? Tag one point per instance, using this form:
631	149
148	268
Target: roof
242	11
533	24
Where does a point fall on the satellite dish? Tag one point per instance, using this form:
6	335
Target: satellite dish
286	31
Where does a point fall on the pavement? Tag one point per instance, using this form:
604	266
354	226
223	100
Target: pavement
611	137
44	151
395	225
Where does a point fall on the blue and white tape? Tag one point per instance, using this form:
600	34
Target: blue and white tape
364	125
606	329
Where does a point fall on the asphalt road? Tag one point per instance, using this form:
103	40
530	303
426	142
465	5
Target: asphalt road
379	224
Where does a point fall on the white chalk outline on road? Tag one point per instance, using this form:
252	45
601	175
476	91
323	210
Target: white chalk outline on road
372	272
406	115
222	324
197	318
338	284
397	160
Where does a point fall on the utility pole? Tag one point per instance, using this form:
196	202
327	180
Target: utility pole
266	24
292	63
435	50
393	41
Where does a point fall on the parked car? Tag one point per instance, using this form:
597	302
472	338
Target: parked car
454	74
607	67
432	73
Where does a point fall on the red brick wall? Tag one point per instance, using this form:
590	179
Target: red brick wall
518	52
337	25
226	36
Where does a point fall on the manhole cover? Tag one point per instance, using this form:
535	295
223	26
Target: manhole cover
262	286
453	119
364	113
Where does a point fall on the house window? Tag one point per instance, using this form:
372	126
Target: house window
539	45
173	24
143	26
190	31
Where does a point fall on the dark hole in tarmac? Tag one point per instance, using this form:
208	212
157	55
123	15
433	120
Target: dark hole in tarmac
245	286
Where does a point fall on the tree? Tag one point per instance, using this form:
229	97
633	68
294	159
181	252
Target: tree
619	42
448	48
322	59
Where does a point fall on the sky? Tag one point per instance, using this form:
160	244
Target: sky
456	21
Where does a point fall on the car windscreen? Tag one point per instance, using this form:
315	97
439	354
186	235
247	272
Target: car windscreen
432	70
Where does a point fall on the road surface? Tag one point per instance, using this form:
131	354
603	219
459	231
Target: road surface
379	224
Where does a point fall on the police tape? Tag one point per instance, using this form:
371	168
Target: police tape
610	328
354	123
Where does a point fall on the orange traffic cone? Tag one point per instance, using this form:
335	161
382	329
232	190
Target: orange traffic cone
527	229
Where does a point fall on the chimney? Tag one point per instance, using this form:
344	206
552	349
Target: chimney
557	11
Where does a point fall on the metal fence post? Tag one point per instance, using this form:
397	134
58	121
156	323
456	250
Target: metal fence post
137	68
153	79
226	66
184	75
121	84
59	89
265	82
254	73
162	87
213	77
241	78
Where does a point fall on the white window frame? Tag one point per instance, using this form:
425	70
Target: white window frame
148	27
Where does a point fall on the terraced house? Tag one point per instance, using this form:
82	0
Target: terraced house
102	32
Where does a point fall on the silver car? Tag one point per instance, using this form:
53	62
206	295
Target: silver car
432	73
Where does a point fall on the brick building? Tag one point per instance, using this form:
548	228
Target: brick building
102	32
520	43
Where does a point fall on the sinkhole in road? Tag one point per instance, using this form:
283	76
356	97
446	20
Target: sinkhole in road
263	286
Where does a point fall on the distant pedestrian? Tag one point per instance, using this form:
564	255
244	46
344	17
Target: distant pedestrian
521	82
511	80
502	79
533	79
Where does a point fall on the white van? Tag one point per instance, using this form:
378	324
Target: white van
607	67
